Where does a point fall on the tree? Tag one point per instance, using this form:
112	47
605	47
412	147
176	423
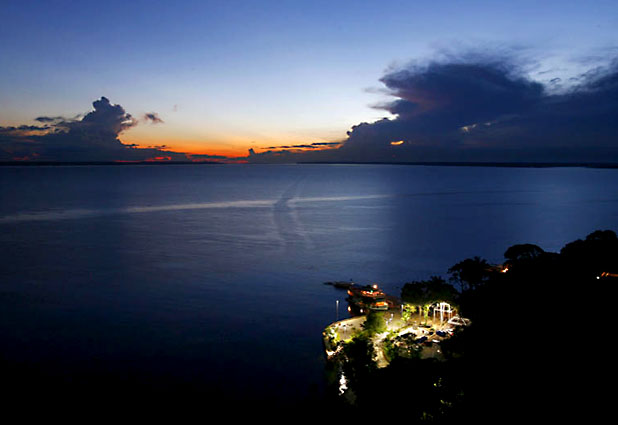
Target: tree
596	254
523	252
424	293
359	361
470	273
428	291
375	323
440	291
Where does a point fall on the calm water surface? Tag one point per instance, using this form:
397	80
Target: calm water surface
212	276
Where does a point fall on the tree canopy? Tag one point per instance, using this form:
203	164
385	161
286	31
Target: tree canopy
523	252
470	273
374	323
429	291
594	255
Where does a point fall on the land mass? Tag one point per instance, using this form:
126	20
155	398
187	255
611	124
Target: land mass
65	163
480	164
526	337
442	164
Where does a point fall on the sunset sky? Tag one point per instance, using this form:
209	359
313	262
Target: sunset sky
221	77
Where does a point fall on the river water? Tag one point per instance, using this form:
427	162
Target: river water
210	277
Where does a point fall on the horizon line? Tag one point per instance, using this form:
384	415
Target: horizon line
540	164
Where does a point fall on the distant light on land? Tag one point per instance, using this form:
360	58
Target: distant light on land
397	143
468	128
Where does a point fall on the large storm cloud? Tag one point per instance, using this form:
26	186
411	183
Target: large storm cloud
479	108
93	137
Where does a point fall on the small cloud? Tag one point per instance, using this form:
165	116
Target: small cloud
153	118
315	145
326	143
48	119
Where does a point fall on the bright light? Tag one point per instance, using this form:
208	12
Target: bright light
467	128
343	384
397	143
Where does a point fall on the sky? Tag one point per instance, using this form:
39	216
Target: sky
286	81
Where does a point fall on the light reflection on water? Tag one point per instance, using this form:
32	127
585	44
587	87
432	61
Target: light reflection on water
85	213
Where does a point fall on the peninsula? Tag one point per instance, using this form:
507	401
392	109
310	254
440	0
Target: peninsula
464	348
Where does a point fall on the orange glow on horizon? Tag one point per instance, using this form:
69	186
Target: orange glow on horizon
229	150
194	148
225	144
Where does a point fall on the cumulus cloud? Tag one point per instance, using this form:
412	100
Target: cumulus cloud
483	108
485	111
93	137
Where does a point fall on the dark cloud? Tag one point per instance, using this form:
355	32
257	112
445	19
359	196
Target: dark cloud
483	108
153	117
48	119
459	92
23	128
207	157
292	155
94	137
316	145
485	111
325	144
295	153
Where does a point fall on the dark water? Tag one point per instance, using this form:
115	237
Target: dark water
210	277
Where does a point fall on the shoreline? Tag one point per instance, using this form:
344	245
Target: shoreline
601	165
611	165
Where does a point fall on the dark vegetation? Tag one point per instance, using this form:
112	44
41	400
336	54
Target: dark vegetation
537	348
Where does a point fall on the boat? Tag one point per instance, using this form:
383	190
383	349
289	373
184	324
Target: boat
368	297
366	291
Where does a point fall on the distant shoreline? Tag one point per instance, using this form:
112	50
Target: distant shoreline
77	163
430	164
482	164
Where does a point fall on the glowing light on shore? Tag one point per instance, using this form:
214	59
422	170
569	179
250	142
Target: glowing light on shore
468	128
343	384
397	143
